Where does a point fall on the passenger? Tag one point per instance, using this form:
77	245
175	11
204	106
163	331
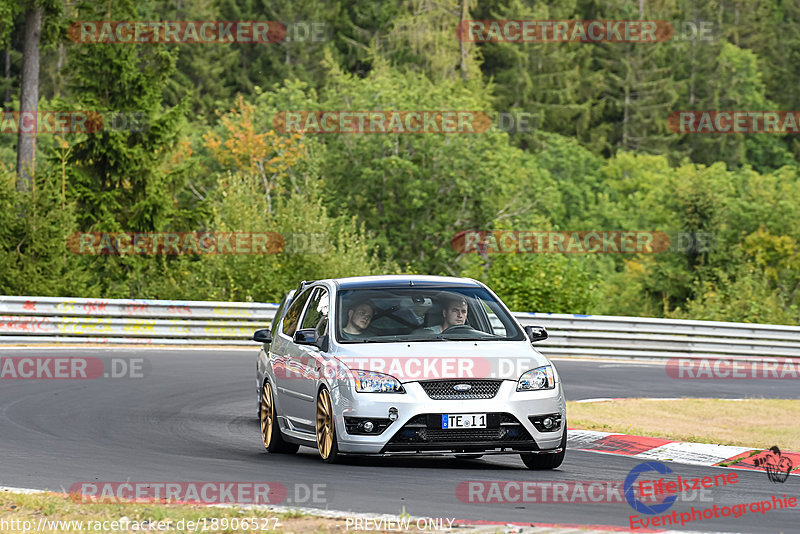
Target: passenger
454	312
358	319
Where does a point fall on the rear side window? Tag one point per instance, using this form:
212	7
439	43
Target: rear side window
316	316
292	318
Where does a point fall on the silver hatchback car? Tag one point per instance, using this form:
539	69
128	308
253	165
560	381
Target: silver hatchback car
407	365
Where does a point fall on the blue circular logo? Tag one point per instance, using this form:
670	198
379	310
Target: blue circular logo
638	505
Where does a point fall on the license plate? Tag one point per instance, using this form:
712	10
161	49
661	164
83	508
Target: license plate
464	420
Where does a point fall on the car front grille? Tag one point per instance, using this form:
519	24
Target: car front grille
444	389
476	434
425	432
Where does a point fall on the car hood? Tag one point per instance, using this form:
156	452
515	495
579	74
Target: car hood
432	360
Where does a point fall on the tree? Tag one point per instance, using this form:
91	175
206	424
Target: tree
202	70
424	37
125	178
29	94
363	30
415	191
9	10
268	183
641	84
297	55
33	235
264	157
737	85
36	11
555	82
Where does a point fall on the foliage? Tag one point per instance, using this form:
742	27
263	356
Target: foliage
213	157
33	232
550	283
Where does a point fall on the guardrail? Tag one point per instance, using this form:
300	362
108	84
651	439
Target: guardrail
34	320
654	338
27	320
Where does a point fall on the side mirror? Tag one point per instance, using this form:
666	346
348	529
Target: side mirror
305	336
308	336
262	336
536	333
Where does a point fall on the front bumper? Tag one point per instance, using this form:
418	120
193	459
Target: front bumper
509	428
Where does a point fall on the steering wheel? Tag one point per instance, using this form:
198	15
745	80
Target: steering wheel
456	328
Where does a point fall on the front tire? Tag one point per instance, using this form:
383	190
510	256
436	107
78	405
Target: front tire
539	462
326	429
270	433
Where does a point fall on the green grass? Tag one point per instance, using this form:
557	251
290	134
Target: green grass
58	507
757	423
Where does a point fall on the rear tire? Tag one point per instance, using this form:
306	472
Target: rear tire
326	429
270	432
540	462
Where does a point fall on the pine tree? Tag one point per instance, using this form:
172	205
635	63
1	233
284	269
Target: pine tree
555	82
642	88
122	175
424	38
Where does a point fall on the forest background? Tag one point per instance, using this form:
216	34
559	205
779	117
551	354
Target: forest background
204	156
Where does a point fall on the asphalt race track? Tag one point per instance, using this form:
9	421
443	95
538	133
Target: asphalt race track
192	417
585	379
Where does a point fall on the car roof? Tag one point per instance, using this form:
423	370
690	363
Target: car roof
403	280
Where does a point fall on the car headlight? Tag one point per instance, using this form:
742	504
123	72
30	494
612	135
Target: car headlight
372	382
539	378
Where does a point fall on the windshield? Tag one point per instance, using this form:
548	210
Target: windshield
425	314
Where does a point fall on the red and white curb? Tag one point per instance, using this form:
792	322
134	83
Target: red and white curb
683	452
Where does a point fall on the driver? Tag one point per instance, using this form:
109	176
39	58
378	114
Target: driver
358	319
454	312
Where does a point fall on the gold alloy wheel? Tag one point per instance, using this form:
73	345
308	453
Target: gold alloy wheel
267	414
324	424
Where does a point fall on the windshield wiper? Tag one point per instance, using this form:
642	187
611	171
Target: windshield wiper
421	339
385	339
471	338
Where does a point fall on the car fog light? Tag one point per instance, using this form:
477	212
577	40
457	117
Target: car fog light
546	422
368	426
393	414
